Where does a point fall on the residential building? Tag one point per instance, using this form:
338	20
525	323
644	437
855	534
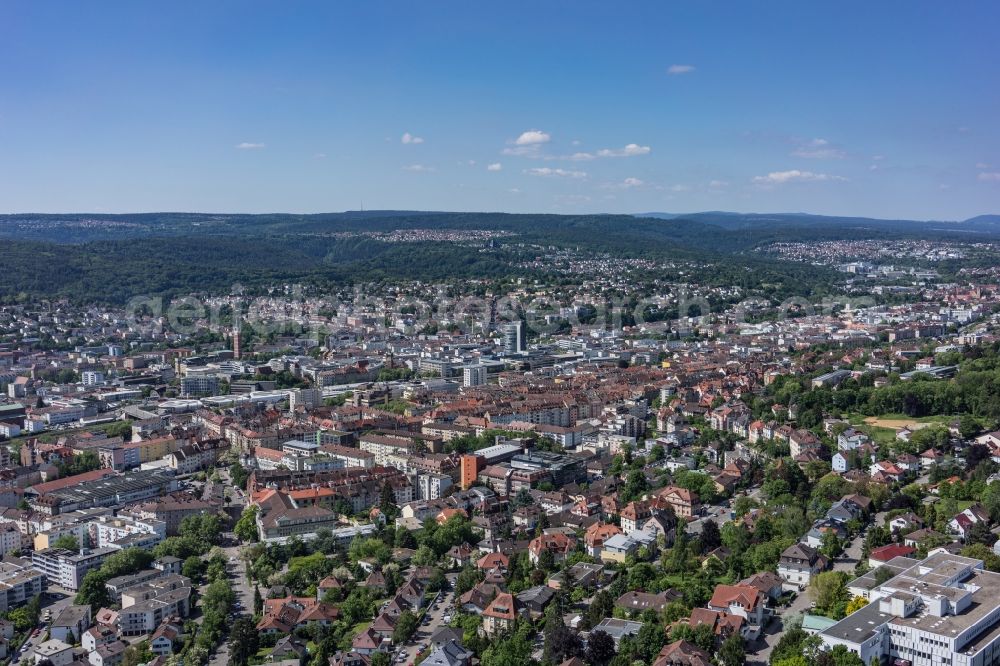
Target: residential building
19	583
799	563
500	615
71	623
146	606
66	568
745	601
474	375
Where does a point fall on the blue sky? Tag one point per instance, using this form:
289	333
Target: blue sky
886	109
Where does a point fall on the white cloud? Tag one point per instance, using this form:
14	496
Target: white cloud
247	145
675	70
496	166
819	149
410	139
630	150
982	165
680	188
532	137
633	182
319	156
560	173
990	177
793	176
717	184
418	168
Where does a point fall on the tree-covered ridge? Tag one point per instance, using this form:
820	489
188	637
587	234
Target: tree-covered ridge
112	258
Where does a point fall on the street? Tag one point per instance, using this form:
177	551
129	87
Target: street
236	569
431	623
54	600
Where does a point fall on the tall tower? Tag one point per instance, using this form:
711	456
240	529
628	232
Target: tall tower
513	337
237	339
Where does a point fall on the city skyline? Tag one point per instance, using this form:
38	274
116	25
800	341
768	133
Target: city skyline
245	107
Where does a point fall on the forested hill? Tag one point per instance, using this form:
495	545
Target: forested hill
688	229
113	257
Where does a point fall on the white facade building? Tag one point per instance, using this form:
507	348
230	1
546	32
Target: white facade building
474	375
92	378
942	611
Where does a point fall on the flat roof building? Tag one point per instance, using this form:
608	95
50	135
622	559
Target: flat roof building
944	609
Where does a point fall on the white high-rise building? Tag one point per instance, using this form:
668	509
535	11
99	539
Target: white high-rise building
513	337
474	375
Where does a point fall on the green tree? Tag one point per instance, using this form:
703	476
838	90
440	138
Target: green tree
425	556
829	590
856	604
467	579
239	475
406	624
246	526
600	648
515	650
797	660
789	646
636	486
649	641
387	502
136	655
243	641
710	538
67	542
193	567
121	429
202	529
732	652
559	642
26	617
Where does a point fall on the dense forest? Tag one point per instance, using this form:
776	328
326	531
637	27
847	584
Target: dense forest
111	258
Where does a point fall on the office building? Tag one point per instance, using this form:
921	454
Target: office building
513	337
943	610
199	385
